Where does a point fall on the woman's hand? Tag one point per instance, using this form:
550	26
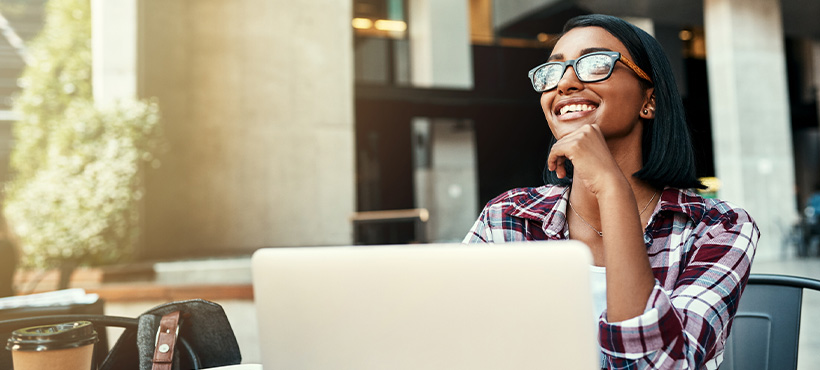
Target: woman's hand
592	161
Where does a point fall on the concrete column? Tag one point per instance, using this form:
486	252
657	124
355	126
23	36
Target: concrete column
257	104
114	49
440	51
751	126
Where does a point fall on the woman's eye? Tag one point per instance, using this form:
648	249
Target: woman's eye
600	68
595	67
553	73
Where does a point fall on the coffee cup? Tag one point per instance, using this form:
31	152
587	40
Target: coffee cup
66	346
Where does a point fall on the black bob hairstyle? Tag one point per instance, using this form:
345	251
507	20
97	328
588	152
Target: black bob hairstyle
668	157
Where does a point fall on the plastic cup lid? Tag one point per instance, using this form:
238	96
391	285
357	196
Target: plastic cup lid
51	337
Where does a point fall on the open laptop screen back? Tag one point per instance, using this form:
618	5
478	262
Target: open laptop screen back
445	306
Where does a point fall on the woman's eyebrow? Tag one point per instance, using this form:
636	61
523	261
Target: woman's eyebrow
555	57
592	50
583	52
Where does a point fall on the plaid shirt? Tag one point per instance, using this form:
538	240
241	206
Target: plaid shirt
700	250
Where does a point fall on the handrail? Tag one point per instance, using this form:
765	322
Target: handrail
420	214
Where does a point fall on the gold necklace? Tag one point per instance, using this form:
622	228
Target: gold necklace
600	233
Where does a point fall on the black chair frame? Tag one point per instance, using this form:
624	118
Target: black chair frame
766	329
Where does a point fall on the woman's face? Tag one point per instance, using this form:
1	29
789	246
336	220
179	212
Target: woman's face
615	103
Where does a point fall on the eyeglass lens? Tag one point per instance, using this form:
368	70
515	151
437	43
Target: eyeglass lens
588	68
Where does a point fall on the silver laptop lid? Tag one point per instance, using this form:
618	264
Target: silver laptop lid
436	306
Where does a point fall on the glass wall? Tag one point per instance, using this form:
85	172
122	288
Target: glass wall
381	43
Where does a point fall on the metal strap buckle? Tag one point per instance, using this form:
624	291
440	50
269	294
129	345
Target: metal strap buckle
165	347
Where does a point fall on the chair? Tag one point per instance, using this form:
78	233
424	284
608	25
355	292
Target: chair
766	328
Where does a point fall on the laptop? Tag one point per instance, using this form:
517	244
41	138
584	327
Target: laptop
426	306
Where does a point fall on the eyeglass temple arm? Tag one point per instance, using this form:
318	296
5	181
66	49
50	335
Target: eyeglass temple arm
635	68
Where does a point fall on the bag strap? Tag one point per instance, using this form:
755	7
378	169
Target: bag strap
166	341
128	323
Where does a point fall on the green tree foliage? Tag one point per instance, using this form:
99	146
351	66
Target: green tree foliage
76	166
60	72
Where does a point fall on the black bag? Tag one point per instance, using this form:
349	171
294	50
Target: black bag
205	338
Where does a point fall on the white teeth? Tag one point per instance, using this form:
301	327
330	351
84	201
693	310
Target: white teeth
576	108
564	109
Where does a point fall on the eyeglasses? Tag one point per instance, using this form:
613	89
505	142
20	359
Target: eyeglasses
592	67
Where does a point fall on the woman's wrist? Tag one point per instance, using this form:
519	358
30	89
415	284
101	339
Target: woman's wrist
616	187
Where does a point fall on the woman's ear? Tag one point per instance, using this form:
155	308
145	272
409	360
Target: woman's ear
648	107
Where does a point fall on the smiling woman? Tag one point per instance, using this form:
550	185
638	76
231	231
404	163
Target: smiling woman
670	266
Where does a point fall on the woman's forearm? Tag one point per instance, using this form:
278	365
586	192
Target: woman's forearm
629	277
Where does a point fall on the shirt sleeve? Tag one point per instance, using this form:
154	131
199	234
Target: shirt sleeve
480	232
687	327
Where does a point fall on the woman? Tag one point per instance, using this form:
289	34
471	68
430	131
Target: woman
670	265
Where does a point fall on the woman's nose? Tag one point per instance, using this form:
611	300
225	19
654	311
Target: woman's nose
569	81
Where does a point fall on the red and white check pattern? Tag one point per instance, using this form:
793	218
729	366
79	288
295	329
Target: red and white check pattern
700	250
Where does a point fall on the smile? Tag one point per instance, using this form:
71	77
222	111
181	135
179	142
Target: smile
572	108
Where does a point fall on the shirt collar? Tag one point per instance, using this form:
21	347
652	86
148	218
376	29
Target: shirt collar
682	201
545	204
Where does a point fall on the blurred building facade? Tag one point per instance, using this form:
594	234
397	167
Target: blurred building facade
256	103
747	71
284	118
